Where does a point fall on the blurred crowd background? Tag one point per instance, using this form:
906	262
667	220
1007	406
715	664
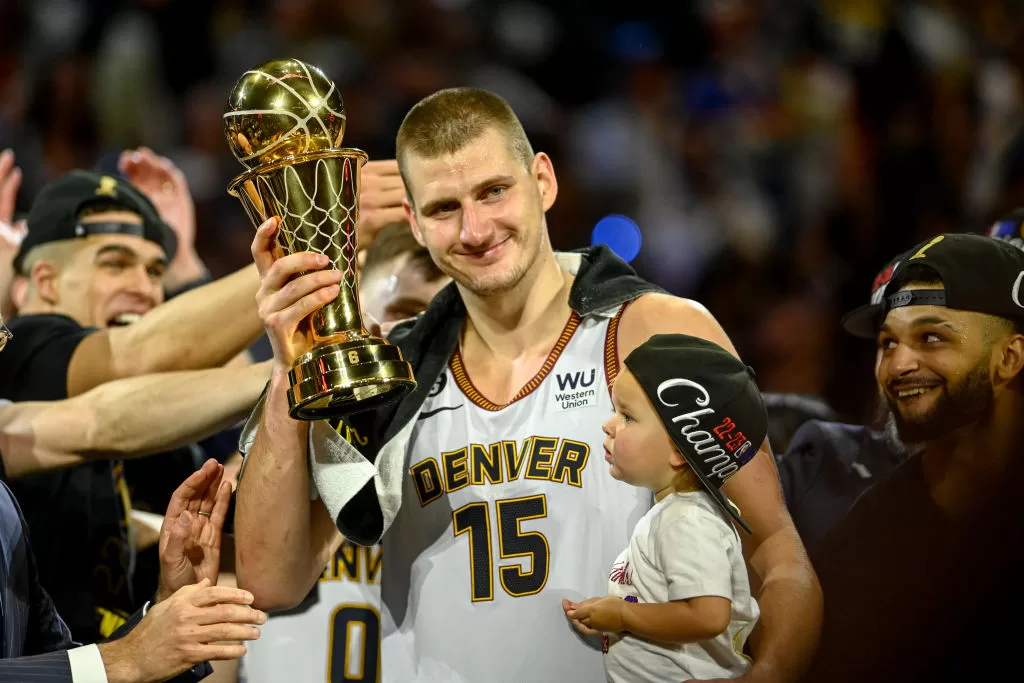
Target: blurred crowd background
775	153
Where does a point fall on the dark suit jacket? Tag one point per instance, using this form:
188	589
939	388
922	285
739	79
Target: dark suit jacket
33	639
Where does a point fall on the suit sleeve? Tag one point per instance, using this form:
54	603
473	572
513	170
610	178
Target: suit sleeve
53	667
45	631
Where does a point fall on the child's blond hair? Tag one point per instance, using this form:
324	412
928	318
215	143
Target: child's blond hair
685	480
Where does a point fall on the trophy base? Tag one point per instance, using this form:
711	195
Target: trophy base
341	378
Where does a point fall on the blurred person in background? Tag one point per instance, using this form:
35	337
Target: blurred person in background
398	279
787	412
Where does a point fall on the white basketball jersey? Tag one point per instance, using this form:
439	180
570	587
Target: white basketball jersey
506	510
337	639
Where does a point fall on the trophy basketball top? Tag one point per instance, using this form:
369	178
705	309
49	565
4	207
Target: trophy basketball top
280	109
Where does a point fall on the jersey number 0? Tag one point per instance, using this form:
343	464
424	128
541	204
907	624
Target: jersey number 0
354	650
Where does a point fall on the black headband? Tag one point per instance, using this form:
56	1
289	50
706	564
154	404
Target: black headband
110	228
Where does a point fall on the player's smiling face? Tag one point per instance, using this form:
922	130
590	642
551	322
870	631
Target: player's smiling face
113	280
480	211
934	369
637	449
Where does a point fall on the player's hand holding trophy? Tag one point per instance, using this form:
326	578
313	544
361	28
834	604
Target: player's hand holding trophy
284	122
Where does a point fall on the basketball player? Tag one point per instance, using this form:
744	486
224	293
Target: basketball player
335	633
483	476
923	571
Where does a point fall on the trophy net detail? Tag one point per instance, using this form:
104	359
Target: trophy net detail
317	213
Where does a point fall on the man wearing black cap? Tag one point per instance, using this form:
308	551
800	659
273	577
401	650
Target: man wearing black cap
93	257
920	577
687	416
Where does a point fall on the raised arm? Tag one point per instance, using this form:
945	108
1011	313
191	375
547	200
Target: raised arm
282	538
781	575
106	422
203	328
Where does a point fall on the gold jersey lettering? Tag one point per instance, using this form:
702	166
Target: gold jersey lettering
539	458
355	564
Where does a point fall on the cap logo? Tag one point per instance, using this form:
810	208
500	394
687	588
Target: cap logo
680	382
880	283
1015	292
108	186
920	253
900	299
717	462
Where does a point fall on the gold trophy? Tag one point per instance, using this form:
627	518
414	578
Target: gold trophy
284	122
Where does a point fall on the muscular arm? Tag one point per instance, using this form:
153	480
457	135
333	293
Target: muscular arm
220	315
780	572
282	539
181	407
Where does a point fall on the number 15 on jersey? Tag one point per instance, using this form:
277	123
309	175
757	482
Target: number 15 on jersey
522	546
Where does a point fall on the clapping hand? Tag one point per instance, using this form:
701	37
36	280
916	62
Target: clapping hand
190	538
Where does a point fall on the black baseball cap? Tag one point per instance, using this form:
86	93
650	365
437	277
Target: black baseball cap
978	274
708	401
54	214
865	320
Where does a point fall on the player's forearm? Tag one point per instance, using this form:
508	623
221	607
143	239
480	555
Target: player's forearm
676	622
127	418
33	435
789	627
203	328
178	408
272	513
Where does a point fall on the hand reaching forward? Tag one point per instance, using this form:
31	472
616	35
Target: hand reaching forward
186	629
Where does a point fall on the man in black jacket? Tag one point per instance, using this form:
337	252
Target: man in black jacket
921	572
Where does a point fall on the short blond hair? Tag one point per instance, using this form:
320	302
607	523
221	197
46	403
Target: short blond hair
448	120
59	253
